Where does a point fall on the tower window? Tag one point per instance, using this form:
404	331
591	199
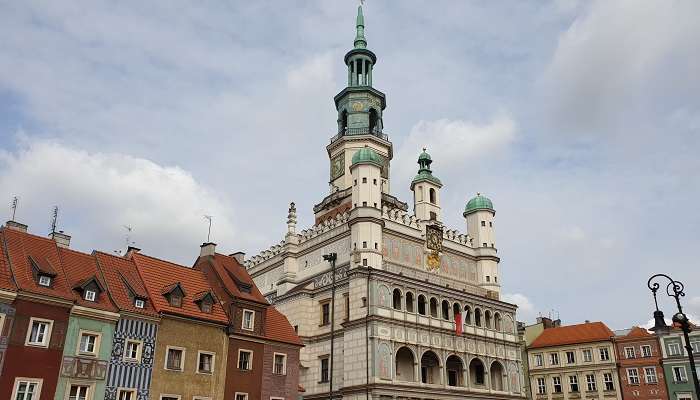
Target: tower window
483	223
432	195
364	262
375	205
488	278
374	181
495	279
376	246
364	204
433	215
490	224
364	180
364	245
492	245
484	245
354	182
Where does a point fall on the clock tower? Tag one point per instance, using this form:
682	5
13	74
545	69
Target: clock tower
360	124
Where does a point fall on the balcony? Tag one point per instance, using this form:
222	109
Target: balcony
377	132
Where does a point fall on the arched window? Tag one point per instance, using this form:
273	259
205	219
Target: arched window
477	317
429	368
421	304
432	196
455	371
404	365
445	310
433	307
467	315
487	318
476	372
373	117
497	376
396	303
409	301
497	321
343	121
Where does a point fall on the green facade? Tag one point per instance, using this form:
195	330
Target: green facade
676	359
85	369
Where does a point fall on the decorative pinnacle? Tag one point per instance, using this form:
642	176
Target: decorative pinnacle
360	41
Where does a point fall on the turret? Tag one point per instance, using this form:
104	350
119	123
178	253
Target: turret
480	214
366	219
426	191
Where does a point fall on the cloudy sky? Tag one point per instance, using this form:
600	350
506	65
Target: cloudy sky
581	120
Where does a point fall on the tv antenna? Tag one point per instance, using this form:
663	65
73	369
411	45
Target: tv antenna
128	235
15	202
54	219
208	218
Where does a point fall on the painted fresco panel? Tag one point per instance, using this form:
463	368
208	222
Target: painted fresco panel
130	374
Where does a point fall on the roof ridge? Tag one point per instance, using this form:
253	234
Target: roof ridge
139	254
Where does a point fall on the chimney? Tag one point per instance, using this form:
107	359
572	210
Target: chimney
61	239
207	249
16	226
131	250
239	256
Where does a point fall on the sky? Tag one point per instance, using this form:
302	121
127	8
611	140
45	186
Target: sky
580	120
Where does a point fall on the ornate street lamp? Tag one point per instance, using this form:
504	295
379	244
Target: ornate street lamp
674	289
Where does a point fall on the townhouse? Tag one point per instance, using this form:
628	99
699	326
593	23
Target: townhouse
677	372
572	362
639	365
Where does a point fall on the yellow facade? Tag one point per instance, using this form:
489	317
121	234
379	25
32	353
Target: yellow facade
192	337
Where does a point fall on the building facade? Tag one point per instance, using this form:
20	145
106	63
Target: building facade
390	303
574	362
639	365
679	380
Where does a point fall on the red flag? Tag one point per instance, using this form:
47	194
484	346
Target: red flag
458	324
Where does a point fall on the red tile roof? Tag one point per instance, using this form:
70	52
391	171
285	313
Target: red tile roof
81	268
158	274
278	328
637	332
573	334
6	281
20	247
123	282
232	274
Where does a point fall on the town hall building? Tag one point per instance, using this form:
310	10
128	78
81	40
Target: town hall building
389	302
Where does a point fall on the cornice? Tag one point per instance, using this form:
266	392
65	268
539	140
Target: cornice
44	299
94	313
7	296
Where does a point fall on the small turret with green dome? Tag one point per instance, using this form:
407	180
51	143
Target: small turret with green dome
424	172
366	155
478	203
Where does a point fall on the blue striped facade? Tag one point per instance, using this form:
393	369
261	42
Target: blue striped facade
128	374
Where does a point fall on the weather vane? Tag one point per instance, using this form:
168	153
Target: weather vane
208	218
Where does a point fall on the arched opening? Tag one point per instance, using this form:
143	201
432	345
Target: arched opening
467	315
476	373
445	310
477	317
487	318
432	196
421	304
396	299
404	365
455	371
343	121
409	301
433	307
373	117
496	376
497	321
429	368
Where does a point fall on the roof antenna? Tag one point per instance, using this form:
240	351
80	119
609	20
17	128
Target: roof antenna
54	219
208	218
128	235
15	202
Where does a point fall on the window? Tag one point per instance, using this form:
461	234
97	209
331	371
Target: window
205	306
90	295
279	366
138	303
248	322
556	383
175	358
241	396
570	357
608	380
587	355
89	343
679	374
347	306
674	349
554	358
490	224
126	394
629	352
245	360
2	322
538	360
633	376
205	362
483	223
573	383
39	333
695	346
324	369
325	313
646	350
169	397
541	387
44	280
374	181
604	354
650	374
175	300
364	180
364	245
26	389
78	392
132	350
590	383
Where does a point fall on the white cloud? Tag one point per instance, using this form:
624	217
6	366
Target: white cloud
526	310
99	193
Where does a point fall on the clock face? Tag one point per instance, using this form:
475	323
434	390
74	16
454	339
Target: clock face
357	106
337	166
433	237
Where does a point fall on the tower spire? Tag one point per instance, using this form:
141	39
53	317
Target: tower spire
360	41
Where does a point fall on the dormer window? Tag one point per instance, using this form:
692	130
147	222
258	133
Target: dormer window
175	300
44	280
248	320
205	300
205	306
138	303
174	294
90	295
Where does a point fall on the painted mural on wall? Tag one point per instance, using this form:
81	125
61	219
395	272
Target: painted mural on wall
408	253
383	296
384	361
514	378
340	247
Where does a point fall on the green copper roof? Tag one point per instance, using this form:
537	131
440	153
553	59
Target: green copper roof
366	156
478	203
424	156
424	172
360	41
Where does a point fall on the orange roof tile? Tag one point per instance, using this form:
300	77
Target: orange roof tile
233	274
6	281
123	283
573	334
158	274
637	332
278	328
80	268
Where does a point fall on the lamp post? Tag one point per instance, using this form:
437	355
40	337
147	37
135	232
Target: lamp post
674	289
